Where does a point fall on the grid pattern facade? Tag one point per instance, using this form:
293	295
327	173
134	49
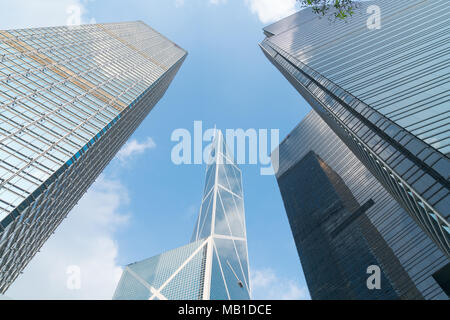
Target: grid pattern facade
69	99
177	275
218	269
400	70
402	249
373	87
330	233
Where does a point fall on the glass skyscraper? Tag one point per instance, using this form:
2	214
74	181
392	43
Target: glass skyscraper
70	97
384	92
343	221
214	265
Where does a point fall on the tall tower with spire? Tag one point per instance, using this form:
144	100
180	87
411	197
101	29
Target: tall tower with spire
214	265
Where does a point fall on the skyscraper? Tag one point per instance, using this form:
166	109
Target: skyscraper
383	91
70	97
343	221
214	265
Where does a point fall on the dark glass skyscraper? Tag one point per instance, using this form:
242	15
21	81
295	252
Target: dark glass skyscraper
214	265
70	97
343	221
384	92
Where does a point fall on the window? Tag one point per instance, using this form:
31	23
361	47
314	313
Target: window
442	277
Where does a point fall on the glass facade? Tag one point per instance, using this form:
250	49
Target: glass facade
214	266
343	220
177	274
384	92
70	97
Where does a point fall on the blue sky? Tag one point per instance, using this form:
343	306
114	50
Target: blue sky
143	204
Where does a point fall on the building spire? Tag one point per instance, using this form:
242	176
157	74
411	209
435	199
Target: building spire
214	265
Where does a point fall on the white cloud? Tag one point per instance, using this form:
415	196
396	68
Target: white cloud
266	285
85	239
179	3
266	10
217	1
272	10
42	13
134	147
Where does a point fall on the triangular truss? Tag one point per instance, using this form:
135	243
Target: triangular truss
222	218
215	264
176	274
